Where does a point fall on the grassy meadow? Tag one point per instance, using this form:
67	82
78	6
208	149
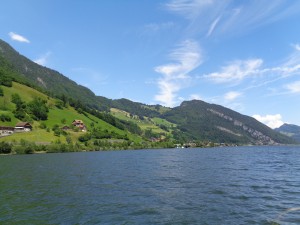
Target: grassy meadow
56	116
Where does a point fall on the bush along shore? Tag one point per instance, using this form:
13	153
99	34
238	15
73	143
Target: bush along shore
26	147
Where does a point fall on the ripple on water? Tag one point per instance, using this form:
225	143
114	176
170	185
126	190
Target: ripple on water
254	185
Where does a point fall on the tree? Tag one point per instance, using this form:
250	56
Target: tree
4	118
38	109
85	138
57	133
20	111
64	99
59	104
68	139
15	98
56	130
43	125
20	114
5	80
149	133
5	147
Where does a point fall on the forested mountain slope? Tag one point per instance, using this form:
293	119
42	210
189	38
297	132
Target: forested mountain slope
50	80
200	120
290	130
192	121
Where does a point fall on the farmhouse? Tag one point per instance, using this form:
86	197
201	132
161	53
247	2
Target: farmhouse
5	131
79	124
65	128
23	127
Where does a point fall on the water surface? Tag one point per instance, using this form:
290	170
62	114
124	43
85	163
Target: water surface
240	185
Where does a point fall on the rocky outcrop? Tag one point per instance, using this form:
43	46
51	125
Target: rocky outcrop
260	138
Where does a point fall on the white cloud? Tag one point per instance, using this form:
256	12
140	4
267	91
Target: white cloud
236	71
175	77
17	37
296	47
294	87
43	59
272	121
255	76
232	95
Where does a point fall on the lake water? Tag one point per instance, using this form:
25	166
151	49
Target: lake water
240	185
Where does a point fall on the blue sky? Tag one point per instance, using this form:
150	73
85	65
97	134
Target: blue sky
244	55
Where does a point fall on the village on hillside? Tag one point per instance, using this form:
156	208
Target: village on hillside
27	127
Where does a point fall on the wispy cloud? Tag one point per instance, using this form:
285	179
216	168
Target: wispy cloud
235	71
213	26
188	8
232	95
294	87
17	37
175	77
296	46
272	121
43	60
156	27
236	17
284	72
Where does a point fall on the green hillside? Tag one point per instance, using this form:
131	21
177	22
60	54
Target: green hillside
151	127
44	133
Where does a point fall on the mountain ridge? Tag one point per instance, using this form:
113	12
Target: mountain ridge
195	120
290	130
226	123
46	78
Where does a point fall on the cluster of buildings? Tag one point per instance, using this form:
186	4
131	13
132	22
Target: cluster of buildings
76	123
26	127
20	127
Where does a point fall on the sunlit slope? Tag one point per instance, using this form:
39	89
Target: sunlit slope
60	117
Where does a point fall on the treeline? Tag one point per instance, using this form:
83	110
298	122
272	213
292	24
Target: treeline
135	108
26	147
98	133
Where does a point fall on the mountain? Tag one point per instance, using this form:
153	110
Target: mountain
53	128
204	121
47	79
192	121
290	130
